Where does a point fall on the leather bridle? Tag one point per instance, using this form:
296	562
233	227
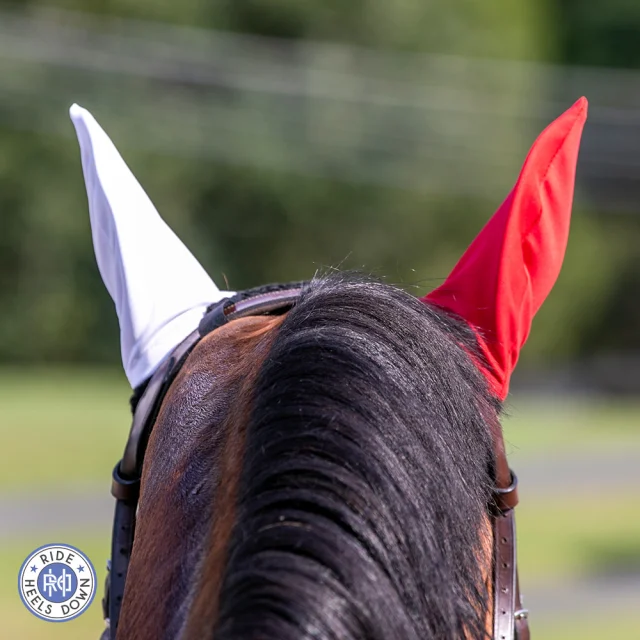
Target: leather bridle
509	618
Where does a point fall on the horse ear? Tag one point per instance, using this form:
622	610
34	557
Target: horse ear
159	289
505	275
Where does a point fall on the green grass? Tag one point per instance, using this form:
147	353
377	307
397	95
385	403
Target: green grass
69	426
62	430
588	627
534	426
61	427
578	536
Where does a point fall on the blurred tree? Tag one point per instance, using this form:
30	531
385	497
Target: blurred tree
599	33
606	34
251	224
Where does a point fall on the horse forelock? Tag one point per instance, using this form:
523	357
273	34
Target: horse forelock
328	478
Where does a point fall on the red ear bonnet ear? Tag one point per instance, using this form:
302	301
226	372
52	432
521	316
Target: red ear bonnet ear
505	275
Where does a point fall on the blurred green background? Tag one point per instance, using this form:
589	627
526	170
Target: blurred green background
280	138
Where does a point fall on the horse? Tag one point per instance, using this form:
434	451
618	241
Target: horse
324	459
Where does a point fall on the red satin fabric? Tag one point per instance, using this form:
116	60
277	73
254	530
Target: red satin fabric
505	275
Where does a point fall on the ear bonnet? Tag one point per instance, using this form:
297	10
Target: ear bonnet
159	289
505	275
161	292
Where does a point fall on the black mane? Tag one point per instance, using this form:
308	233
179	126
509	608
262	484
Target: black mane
366	476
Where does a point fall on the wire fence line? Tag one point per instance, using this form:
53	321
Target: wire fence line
441	124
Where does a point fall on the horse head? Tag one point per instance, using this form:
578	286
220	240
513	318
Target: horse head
321	459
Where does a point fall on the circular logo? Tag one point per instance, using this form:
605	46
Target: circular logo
57	582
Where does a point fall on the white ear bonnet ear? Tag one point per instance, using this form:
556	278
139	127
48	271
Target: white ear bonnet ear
159	288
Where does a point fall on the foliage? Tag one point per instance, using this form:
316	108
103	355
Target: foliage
599	33
250	224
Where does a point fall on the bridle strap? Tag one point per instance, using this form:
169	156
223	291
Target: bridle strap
510	619
504	592
125	486
130	467
521	615
124	524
